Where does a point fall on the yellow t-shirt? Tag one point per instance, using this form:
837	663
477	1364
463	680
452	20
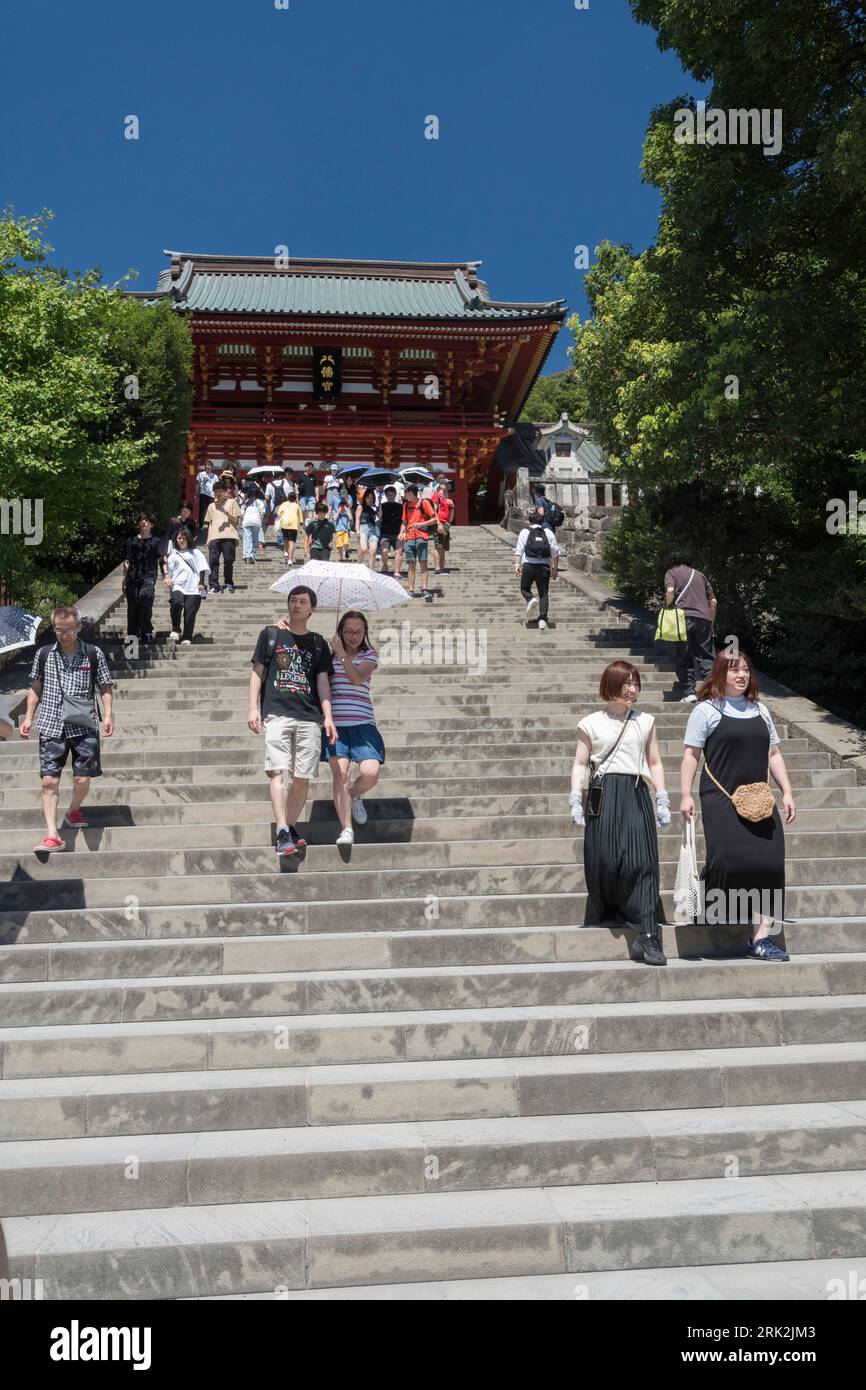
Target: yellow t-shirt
290	516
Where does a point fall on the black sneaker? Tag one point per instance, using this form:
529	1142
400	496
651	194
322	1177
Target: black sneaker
285	844
299	840
230	588
426	595
214	588
651	949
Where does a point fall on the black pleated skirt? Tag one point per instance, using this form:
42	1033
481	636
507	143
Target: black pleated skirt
621	857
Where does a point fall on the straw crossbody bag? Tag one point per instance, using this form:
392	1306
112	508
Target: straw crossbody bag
752	801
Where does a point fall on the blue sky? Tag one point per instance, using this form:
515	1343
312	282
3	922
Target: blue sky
305	127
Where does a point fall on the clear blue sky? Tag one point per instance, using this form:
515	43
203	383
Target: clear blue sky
305	127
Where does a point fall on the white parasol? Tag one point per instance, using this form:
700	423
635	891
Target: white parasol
338	584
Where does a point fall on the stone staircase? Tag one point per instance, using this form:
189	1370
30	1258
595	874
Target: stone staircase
406	1069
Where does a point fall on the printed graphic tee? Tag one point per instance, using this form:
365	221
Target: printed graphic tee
289	680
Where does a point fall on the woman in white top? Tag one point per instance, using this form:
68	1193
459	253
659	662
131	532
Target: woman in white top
618	759
252	521
744	874
186	571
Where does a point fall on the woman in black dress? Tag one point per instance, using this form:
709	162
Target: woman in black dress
618	747
744	874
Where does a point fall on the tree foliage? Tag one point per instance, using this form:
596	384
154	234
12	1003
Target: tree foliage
723	366
69	437
552	395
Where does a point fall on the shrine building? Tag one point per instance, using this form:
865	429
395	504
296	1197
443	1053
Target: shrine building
388	363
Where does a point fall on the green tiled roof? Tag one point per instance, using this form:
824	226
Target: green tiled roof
363	289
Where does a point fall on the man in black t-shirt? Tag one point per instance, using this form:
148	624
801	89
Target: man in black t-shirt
390	522
320	534
142	558
290	699
307	489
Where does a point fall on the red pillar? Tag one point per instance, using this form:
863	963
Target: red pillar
461	499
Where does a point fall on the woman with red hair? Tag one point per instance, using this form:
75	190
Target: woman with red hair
744	874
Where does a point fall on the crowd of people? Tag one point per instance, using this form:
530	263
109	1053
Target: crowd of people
310	698
396	519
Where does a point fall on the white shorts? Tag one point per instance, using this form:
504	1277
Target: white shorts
292	745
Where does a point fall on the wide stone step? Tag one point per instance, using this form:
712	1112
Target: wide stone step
169	1099
227	1031
814	887
198	1169
492	754
388	948
403	762
260	1247
407	780
136	918
485	986
390	844
761	1281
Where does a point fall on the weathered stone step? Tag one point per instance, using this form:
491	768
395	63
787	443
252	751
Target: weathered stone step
402	780
265	1165
513	985
131	1023
384	845
176	1098
492	754
389	948
135	918
413	858
170	1253
288	882
762	1281
403	762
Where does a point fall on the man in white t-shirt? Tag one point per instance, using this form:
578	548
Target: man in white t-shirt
537	562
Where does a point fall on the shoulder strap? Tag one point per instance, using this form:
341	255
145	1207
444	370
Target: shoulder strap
685	586
609	755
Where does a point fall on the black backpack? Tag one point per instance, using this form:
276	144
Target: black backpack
537	545
556	515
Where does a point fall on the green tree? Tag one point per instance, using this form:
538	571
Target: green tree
551	395
70	441
722	367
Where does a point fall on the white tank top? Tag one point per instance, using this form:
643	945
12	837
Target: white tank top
630	757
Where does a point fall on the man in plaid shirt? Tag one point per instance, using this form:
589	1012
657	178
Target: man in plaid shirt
66	675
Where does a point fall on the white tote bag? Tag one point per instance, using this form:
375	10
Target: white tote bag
687	887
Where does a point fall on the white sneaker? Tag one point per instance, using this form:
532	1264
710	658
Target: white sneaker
542	625
174	637
359	811
531	610
689	700
346	837
186	642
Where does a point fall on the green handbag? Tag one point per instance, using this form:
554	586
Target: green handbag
671	625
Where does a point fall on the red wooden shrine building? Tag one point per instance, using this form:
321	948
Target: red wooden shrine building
382	362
